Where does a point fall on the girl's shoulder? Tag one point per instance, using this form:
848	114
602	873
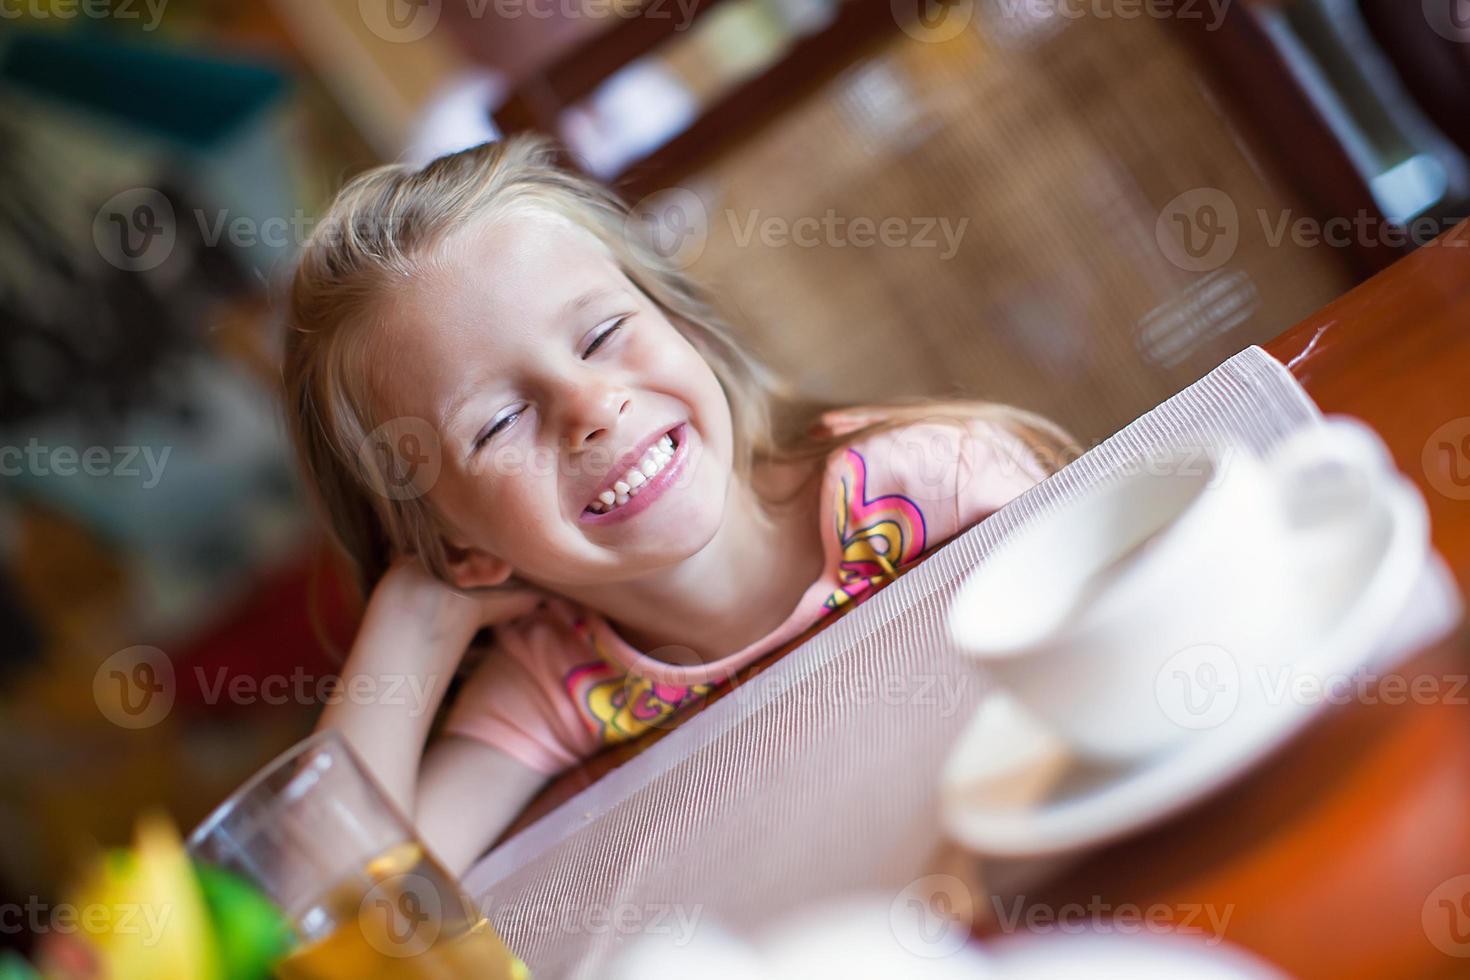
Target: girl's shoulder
949	465
919	433
842	421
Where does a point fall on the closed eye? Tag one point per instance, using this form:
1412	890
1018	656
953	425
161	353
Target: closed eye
612	327
499	425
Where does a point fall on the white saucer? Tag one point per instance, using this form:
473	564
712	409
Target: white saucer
1107	953
1011	788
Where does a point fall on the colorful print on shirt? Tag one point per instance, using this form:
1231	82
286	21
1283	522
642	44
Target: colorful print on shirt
618	707
877	536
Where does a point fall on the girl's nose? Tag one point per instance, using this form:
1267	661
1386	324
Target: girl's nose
593	411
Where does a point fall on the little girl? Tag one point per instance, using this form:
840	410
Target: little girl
517	415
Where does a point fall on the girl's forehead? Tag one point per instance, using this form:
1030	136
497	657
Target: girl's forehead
530	236
493	296
523	265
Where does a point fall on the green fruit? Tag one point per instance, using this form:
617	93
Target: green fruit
250	931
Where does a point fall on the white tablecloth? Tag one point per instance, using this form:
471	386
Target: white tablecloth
819	775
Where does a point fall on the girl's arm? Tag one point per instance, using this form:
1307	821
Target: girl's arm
468	793
413	634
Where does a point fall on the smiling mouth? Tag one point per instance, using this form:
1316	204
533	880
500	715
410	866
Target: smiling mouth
655	459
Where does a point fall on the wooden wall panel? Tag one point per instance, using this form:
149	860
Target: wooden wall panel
1061	158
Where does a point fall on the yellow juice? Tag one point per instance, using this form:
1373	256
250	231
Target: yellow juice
404	918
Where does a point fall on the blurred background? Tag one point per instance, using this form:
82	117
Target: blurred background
1088	204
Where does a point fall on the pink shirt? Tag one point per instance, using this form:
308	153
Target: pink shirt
560	683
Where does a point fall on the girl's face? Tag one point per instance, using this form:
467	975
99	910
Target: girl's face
550	380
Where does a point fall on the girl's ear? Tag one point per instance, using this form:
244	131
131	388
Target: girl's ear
471	568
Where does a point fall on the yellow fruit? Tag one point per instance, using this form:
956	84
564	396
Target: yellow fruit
143	913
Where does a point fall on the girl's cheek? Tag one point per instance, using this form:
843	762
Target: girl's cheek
662	351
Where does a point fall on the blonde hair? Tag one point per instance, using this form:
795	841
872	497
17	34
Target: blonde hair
374	237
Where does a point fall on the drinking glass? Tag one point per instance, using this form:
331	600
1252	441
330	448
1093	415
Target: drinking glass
366	899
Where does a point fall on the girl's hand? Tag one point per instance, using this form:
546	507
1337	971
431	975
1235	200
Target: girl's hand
409	586
413	624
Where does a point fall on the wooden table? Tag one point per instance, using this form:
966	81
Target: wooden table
1336	858
1333	858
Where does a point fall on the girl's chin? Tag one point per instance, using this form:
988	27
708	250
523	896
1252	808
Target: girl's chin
661	537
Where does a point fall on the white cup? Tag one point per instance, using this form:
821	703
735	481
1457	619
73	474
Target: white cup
1145	609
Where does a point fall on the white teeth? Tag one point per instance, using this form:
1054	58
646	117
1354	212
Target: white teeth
654	460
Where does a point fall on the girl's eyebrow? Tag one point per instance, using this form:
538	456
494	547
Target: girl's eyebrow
588	298
456	408
461	398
